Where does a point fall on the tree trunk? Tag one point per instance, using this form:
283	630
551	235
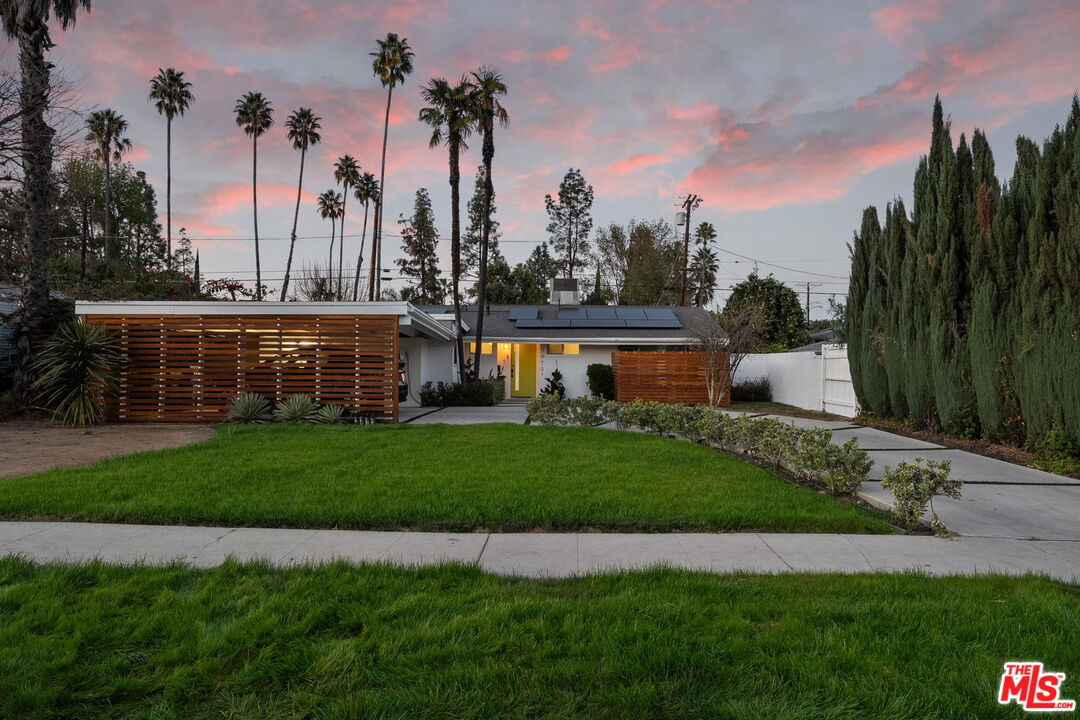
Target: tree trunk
485	235
360	257
330	266
375	280
455	245
168	192
37	164
341	245
295	218
255	213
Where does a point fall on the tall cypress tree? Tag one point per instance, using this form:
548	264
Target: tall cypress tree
864	317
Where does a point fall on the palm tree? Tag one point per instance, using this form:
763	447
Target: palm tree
488	86
105	129
329	206
303	127
172	96
367	191
703	269
451	115
255	115
346	172
392	62
28	24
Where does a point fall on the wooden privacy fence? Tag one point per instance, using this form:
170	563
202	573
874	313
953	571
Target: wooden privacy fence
186	368
669	377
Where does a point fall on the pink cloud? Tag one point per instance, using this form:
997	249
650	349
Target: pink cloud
554	56
896	20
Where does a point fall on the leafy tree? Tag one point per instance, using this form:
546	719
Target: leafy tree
303	126
391	63
523	284
473	235
571	221
105	130
346	172
172	96
255	116
367	192
419	245
451	114
652	260
784	318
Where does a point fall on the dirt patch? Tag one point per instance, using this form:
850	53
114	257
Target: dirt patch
32	446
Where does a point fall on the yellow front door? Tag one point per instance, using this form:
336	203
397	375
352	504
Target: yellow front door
523	370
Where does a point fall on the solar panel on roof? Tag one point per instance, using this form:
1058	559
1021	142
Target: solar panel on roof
601	313
523	313
572	313
630	313
672	324
598	323
659	314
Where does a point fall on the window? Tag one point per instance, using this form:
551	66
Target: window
564	349
485	348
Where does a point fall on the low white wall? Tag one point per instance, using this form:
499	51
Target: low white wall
429	361
799	379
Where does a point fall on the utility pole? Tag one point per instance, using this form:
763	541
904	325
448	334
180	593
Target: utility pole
808	286
692	202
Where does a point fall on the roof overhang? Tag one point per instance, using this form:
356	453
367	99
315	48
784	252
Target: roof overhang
411	320
588	340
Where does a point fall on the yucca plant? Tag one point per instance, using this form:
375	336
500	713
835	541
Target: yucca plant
330	414
250	408
297	408
76	367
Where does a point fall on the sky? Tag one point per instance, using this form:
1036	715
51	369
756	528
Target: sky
787	118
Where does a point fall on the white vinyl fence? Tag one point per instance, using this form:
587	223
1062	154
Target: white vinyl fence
806	379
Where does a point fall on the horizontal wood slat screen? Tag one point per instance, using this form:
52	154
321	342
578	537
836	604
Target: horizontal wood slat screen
668	377
186	368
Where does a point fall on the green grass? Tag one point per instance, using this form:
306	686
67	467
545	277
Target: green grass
434	477
245	641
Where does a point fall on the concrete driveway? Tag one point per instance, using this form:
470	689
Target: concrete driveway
510	412
999	499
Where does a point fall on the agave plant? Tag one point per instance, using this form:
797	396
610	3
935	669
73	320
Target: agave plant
75	367
297	408
330	414
250	408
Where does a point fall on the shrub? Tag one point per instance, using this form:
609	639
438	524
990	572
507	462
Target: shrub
914	486
814	454
473	393
546	410
778	442
330	414
586	411
755	390
1056	453
76	366
250	408
601	379
554	385
848	468
298	408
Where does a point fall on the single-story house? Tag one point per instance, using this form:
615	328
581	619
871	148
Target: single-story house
186	360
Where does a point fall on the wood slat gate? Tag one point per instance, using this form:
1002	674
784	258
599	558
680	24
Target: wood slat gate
186	368
670	377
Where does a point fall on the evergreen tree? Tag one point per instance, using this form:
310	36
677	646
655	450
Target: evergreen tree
470	240
419	245
780	304
571	222
864	317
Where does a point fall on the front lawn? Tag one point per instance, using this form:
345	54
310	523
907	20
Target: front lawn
245	641
434	477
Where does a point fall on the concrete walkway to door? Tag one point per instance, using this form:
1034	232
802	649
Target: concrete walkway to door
507	412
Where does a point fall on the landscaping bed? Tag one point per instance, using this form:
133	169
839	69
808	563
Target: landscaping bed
247	641
435	477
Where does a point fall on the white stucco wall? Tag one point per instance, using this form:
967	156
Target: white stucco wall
573	367
429	360
800	379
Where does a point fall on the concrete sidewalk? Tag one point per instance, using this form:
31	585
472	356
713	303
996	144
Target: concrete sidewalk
542	554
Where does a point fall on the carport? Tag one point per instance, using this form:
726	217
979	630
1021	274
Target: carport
184	361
